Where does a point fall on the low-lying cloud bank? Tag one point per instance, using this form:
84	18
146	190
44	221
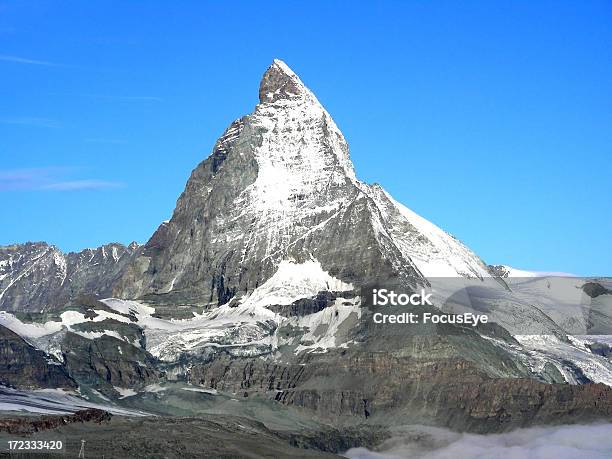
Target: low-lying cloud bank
561	442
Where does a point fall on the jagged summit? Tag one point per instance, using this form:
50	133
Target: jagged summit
280	186
280	82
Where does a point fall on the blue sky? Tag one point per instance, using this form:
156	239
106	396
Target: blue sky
491	119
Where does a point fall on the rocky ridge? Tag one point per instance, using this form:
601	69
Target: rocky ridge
38	278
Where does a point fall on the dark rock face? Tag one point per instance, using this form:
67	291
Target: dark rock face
25	425
180	263
98	360
23	366
498	270
107	361
278	83
594	289
305	306
389	390
37	277
602	349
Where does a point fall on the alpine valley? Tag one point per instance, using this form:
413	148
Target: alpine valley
241	328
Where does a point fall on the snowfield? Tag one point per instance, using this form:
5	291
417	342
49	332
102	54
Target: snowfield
54	401
244	328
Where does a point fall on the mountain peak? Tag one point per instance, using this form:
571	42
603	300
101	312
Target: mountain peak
280	82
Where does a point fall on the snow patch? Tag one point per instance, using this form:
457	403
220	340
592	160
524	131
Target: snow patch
293	281
124	393
201	389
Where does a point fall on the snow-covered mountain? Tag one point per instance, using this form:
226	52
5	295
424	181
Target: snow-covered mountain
39	278
254	286
278	186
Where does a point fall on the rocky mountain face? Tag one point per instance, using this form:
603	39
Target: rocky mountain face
87	344
38	278
107	363
389	387
252	288
279	185
21	365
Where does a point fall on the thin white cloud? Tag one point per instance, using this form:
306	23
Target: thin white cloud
31	121
26	61
125	98
50	179
74	185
